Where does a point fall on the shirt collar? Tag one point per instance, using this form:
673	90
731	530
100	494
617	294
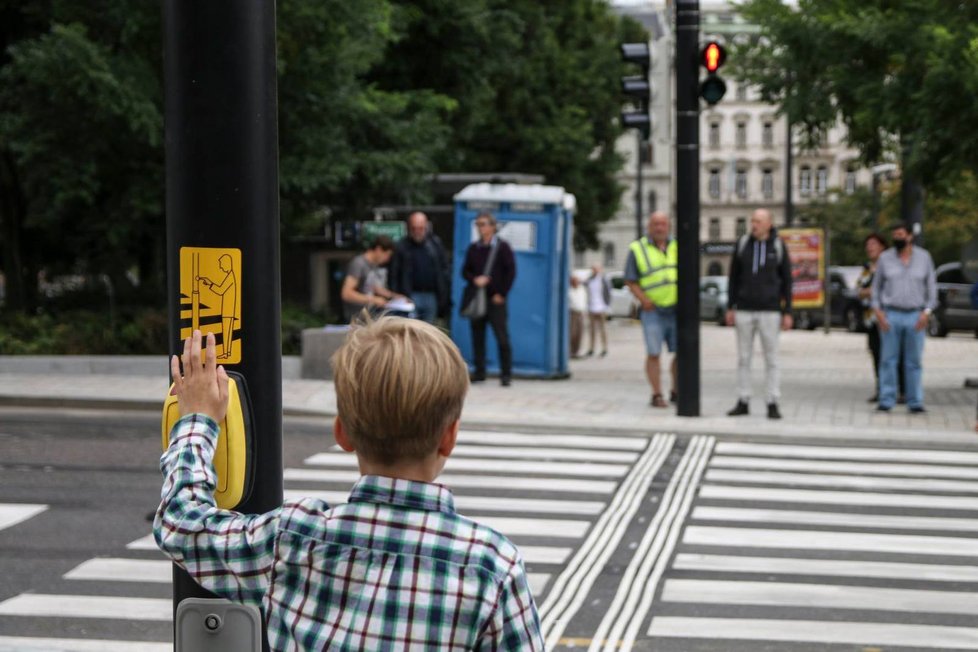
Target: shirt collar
403	493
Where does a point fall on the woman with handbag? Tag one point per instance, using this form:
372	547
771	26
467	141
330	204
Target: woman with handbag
490	269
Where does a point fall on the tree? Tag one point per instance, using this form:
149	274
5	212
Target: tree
536	89
898	74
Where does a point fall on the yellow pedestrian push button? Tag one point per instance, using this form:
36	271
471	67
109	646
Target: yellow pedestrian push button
234	456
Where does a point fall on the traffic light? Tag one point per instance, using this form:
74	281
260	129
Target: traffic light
712	88
637	88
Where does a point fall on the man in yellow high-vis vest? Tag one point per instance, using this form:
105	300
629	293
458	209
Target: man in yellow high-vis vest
651	273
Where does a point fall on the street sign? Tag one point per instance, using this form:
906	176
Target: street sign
210	297
370	230
806	248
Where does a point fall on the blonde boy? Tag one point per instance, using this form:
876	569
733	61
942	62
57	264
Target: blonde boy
393	569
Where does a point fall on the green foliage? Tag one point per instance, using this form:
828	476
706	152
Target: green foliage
898	74
133	331
848	219
294	320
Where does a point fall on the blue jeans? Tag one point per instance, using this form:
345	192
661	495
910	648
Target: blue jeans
659	326
902	337
425	306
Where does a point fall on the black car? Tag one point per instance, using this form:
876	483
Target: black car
845	307
954	310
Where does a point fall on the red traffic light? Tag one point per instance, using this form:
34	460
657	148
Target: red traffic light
713	56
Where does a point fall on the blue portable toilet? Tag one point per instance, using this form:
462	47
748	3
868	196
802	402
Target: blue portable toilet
536	221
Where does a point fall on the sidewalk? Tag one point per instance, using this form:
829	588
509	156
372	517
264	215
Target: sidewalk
825	383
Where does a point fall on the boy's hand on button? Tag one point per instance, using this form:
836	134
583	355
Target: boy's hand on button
203	386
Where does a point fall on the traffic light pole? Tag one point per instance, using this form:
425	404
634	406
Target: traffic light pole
222	204
639	144
688	204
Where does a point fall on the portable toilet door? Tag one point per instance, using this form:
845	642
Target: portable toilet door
536	221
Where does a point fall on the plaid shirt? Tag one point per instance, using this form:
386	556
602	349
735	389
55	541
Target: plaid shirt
394	569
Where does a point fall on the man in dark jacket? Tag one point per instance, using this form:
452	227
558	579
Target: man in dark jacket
419	269
497	282
760	302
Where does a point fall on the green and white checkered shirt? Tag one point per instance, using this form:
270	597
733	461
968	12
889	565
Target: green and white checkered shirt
394	569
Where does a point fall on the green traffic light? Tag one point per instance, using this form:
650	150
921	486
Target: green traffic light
712	89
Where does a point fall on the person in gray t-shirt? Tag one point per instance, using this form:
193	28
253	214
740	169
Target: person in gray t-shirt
365	285
904	294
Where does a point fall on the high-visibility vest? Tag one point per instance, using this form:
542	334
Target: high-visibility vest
657	271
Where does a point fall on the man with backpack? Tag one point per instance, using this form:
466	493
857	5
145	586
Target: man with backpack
760	302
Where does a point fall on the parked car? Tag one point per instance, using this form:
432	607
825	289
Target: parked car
954	310
845	307
623	302
713	298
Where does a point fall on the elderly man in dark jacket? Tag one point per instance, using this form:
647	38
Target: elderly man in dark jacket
419	269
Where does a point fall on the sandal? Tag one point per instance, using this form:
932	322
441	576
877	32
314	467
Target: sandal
658	401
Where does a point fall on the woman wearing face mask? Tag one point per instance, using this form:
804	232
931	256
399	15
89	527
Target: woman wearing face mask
874	244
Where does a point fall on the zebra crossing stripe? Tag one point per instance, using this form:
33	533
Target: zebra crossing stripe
474	504
828	540
31	644
348	460
143	543
14	513
831	466
87	606
546	527
816	631
543	453
842	519
115	569
829	567
821	596
633	600
838	481
468	481
570	441
570	588
843	453
783	495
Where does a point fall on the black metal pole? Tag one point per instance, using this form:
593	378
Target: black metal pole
639	231
789	155
911	195
222	199
688	204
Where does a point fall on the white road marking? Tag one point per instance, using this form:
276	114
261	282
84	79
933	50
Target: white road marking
828	567
87	606
347	460
569	485
475	504
14	513
846	453
844	519
817	631
821	596
779	494
823	540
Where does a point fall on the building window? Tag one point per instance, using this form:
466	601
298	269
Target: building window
805	181
741	92
714	134
653	201
822	180
850	180
714	183
714	269
741	184
767	135
741	134
714	228
609	254
767	183
741	227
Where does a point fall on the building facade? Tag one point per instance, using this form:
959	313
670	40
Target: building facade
743	153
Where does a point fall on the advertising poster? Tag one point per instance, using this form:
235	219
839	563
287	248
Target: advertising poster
806	248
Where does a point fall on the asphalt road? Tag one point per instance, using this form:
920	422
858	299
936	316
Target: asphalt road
643	543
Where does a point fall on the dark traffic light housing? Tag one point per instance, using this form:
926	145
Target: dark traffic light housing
638	88
712	57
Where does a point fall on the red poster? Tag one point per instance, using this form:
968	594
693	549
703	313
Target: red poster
806	247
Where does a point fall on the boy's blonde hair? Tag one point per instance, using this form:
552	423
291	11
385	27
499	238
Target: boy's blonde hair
399	383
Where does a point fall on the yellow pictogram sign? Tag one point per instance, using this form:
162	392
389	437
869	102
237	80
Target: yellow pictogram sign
210	298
